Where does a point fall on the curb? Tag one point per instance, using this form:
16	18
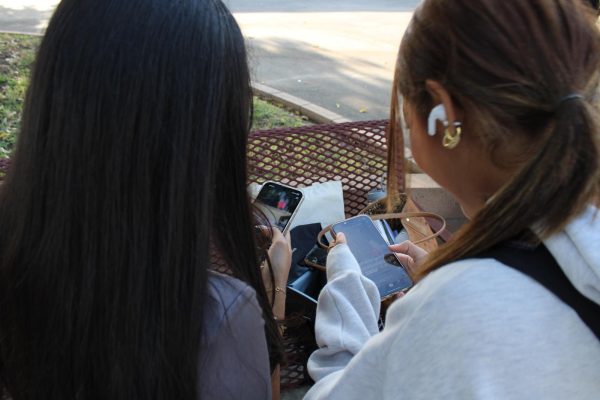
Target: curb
21	32
316	113
312	111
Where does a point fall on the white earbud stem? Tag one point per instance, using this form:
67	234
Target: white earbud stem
438	113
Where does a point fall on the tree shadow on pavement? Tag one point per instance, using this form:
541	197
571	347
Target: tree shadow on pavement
26	20
354	88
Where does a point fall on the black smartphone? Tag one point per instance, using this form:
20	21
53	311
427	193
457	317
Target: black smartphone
316	258
279	204
371	251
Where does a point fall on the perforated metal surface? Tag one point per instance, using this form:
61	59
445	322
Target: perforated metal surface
299	343
353	153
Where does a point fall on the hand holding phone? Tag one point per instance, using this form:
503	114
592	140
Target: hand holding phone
376	260
409	254
280	257
339	238
280	254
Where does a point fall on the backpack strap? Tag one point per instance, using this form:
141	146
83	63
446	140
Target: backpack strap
537	263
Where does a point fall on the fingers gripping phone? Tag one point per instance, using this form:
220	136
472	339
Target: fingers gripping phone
279	204
374	257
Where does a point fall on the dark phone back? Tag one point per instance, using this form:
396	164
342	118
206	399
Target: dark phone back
316	258
304	283
371	251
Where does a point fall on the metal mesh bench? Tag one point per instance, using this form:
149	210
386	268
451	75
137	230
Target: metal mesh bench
354	153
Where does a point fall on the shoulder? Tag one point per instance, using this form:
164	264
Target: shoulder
478	322
226	298
227	289
485	293
460	299
234	360
485	280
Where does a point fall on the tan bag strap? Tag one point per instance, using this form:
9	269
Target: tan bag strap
405	217
325	230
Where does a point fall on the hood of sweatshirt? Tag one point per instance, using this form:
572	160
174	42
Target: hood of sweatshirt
577	251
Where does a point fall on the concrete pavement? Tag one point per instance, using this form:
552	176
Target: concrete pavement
25	16
338	54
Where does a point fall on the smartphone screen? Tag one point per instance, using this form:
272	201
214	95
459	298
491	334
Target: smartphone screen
278	203
371	251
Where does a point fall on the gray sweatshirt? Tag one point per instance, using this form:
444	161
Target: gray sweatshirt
474	329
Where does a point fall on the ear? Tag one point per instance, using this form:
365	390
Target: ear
441	96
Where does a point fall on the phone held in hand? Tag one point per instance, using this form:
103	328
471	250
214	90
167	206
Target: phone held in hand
374	257
279	204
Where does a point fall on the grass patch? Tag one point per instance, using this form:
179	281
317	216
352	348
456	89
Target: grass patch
17	53
267	116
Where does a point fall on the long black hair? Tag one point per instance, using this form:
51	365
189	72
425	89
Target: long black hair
131	162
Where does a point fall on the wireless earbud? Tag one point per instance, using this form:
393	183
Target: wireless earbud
437	113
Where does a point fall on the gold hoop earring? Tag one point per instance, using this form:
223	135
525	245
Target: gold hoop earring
450	140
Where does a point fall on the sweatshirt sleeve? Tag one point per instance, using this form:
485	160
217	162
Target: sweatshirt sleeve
347	315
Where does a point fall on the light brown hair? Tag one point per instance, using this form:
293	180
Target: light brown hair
508	64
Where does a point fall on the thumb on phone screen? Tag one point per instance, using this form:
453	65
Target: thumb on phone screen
409	254
340	238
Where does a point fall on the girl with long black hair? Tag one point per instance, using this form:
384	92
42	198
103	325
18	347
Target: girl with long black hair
129	170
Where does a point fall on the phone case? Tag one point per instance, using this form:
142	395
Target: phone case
288	221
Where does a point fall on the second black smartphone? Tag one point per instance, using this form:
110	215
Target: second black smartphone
316	258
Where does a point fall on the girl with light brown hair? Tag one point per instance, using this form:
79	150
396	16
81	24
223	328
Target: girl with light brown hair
499	100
